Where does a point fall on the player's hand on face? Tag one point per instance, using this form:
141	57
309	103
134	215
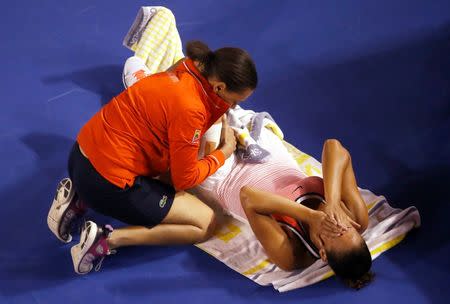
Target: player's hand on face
324	224
341	218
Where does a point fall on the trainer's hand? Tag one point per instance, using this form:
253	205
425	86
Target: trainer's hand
227	138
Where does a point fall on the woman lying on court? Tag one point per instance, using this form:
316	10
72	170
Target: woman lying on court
299	219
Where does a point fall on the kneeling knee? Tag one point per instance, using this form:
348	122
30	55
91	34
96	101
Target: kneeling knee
207	230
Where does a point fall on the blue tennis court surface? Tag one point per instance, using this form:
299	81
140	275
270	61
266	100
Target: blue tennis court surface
374	74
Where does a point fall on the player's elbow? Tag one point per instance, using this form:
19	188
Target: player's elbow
334	147
285	265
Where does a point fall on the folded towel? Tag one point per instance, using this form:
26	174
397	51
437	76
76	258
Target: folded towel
137	28
154	38
248	126
236	245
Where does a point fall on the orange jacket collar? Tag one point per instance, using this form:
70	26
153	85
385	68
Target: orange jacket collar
218	103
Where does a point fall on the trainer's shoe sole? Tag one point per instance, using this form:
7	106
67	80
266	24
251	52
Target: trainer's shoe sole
82	260
59	207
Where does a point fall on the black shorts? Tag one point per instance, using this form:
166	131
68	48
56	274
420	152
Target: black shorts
146	203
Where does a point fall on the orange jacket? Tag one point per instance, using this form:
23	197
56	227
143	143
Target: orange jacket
155	125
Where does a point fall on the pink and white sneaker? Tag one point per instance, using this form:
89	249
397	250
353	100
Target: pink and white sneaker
66	209
92	248
133	71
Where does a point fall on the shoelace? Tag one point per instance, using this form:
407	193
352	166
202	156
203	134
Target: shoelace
97	267
100	262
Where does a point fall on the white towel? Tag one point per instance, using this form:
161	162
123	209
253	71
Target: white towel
236	245
248	126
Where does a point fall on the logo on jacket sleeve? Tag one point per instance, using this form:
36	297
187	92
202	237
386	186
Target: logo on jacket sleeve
196	137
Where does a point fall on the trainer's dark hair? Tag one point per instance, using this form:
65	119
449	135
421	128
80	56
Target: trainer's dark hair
352	266
231	65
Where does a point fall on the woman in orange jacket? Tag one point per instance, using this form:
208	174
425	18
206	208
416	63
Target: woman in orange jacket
149	132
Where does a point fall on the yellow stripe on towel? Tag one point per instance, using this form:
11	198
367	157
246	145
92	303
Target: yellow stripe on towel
257	268
276	130
227	236
387	245
300	159
327	275
311	170
242	137
370	205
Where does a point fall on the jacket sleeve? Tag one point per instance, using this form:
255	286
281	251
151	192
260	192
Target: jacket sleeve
184	141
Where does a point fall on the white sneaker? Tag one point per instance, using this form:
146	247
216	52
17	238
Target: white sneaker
133	71
92	247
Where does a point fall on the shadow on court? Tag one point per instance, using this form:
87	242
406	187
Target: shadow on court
106	80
